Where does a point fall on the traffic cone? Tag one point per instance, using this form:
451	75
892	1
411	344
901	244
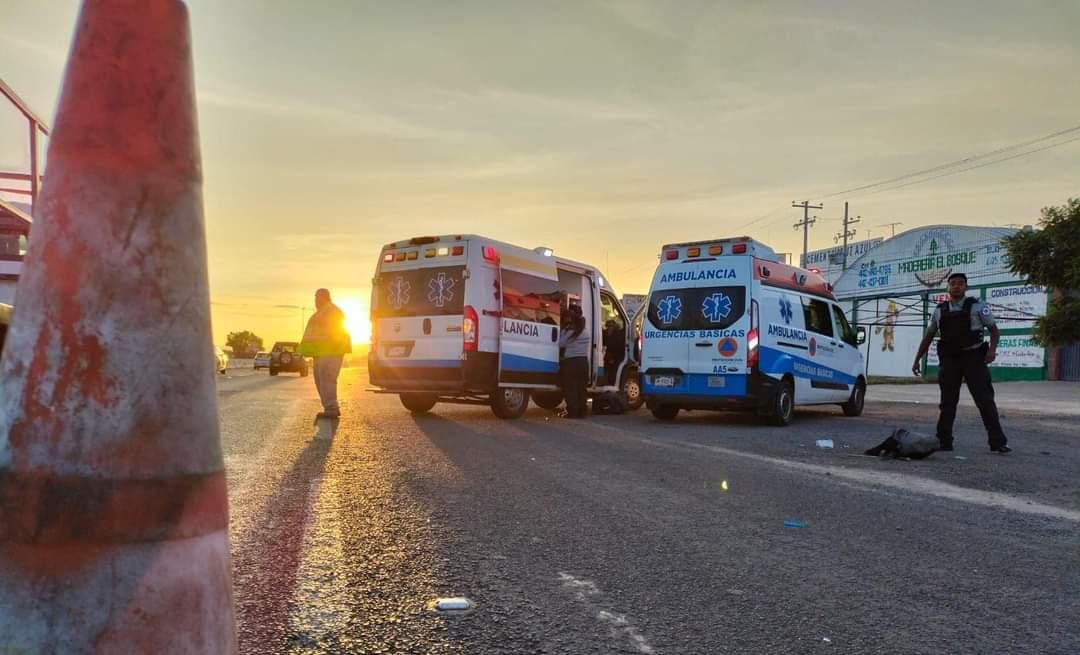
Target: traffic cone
113	505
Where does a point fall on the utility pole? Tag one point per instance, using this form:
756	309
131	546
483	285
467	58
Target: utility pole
893	226
845	233
805	224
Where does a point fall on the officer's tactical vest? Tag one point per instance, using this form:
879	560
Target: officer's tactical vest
956	333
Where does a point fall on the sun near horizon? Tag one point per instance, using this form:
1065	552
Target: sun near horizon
356	318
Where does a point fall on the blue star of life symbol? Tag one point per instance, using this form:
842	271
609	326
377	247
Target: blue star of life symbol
441	289
398	293
716	307
669	309
785	310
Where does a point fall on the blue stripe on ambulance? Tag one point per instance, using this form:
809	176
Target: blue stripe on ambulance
528	364
698	384
776	363
393	362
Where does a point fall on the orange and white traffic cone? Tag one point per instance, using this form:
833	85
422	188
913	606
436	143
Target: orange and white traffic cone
113	505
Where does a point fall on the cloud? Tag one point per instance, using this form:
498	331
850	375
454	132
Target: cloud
56	56
356	119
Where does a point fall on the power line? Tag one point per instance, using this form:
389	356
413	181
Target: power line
944	167
805	223
892	225
971	168
845	234
961	162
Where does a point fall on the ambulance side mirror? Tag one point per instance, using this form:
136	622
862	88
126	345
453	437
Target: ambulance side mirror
860	335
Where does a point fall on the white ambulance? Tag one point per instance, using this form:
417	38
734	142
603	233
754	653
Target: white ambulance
728	326
467	319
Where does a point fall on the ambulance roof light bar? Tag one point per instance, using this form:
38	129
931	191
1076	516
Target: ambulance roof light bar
741	245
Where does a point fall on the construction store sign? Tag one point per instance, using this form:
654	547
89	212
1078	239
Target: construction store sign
1018	351
924	258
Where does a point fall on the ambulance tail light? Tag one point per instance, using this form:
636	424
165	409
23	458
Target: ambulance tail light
671	255
752	348
752	339
739	248
388	257
470	328
490	253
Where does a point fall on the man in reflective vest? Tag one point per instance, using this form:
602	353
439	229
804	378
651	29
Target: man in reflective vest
963	355
328	342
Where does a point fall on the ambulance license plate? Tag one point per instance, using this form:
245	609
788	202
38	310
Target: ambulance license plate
717	381
397	351
663	380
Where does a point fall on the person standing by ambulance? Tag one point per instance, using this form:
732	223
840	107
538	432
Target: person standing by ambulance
963	355
327	341
574	363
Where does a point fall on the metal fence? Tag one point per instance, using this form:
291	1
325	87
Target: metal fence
1070	362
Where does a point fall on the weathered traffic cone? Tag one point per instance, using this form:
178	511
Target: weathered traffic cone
113	506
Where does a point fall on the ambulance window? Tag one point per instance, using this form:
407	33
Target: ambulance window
608	312
846	333
817	316
712	308
436	291
530	298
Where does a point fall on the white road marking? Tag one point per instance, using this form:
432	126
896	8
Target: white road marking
865	478
900	481
587	592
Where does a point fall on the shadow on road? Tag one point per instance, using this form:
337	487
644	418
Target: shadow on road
265	569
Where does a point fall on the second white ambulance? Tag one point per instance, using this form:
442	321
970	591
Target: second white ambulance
728	326
468	319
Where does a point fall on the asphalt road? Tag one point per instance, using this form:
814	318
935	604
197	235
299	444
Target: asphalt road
622	534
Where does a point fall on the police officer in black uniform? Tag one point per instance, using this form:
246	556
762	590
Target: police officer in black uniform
963	355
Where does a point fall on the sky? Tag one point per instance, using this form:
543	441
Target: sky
601	129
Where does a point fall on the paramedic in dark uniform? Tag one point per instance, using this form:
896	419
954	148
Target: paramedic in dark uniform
963	355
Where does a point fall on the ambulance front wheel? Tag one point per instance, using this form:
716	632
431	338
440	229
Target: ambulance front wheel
783	404
510	402
854	405
417	403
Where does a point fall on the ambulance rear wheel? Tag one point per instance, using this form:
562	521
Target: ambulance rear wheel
510	402
854	405
547	399
417	403
783	405
665	412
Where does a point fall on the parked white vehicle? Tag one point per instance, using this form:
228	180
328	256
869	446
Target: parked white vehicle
467	319
728	326
262	360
